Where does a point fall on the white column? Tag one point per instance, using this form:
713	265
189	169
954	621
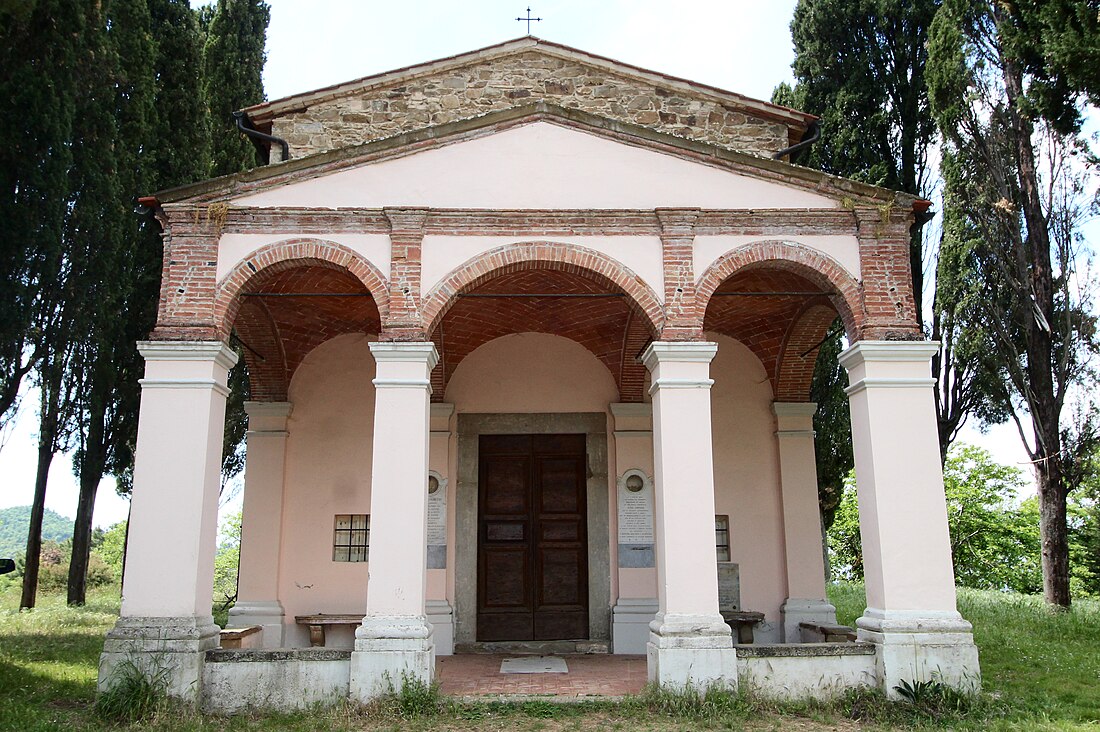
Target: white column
801	520
168	586
689	642
911	613
262	522
395	640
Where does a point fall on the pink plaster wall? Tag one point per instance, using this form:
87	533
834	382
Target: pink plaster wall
538	165
234	248
531	373
329	453
328	472
642	254
746	475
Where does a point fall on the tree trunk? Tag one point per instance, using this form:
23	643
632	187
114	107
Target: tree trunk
34	532
82	542
92	463
1054	536
1036	307
49	412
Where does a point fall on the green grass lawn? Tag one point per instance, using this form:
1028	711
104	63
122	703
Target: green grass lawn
1041	670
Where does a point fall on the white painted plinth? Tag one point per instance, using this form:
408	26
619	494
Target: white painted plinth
796	610
630	619
442	619
691	652
268	614
921	647
389	651
174	644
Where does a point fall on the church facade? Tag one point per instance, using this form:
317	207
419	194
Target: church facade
529	335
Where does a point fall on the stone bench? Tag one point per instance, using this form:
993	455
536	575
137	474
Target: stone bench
318	622
742	622
237	638
826	633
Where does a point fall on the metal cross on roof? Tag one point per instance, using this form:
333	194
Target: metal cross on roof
529	19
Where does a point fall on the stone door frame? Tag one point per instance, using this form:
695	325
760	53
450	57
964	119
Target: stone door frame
470	428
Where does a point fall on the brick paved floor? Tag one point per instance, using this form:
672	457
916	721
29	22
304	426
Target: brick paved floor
599	675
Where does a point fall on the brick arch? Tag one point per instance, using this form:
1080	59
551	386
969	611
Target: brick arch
817	267
795	370
283	255
522	256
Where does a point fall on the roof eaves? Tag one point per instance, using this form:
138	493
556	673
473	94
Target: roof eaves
229	185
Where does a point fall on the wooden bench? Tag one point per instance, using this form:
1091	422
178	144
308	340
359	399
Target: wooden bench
826	633
742	623
318	622
247	637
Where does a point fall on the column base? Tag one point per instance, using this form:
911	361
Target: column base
172	648
921	646
268	614
391	651
442	619
797	610
630	619
691	652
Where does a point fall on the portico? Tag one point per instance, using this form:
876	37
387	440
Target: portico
533	376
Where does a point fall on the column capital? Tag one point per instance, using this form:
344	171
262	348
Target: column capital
862	352
659	352
677	222
268	409
267	417
794	409
217	351
406	220
410	351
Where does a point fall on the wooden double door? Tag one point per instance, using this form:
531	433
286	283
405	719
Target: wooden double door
532	579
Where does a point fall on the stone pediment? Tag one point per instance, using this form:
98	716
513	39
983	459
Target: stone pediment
534	157
518	73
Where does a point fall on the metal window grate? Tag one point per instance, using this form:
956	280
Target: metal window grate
722	537
351	537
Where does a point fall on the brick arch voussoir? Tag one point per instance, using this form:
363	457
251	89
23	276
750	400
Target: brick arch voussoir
541	255
818	267
284	255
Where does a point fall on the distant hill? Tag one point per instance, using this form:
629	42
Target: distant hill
13	529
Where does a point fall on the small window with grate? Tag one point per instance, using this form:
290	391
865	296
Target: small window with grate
722	537
351	537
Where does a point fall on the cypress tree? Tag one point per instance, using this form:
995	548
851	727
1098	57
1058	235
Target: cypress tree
120	265
233	61
36	54
38	47
181	134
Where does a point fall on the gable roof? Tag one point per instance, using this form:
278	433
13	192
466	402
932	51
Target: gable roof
261	114
324	163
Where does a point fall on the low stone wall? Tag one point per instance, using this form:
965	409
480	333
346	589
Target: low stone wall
279	680
806	670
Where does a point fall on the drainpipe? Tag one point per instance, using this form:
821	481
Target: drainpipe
809	137
244	124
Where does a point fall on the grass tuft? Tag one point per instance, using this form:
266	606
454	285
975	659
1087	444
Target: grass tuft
135	693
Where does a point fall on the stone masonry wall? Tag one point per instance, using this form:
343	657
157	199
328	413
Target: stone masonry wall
519	80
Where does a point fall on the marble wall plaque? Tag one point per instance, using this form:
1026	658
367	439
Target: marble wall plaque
635	503
437	521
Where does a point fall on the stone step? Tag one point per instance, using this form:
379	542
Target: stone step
538	648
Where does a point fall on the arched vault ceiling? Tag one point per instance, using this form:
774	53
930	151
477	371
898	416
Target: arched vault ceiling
287	314
775	313
577	306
